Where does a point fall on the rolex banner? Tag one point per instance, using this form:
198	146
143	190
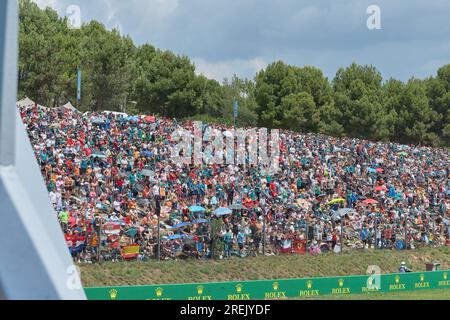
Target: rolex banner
277	289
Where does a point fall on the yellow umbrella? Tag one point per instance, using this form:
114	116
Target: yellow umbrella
336	200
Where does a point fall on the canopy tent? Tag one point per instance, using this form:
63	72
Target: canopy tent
68	107
25	103
28	103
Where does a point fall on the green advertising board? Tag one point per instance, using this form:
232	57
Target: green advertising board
277	289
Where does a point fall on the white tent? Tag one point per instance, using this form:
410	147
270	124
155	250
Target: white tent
25	103
28	103
68	107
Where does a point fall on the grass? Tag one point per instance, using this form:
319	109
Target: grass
439	294
257	268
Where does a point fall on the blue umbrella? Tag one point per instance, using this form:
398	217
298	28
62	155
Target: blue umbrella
132	118
199	221
147	154
196	209
180	225
222	211
179	236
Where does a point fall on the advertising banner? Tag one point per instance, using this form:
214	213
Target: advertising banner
277	289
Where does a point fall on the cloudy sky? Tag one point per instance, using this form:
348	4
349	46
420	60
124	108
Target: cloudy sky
226	37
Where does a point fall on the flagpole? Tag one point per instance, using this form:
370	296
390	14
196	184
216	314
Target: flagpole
306	236
159	242
264	231
342	234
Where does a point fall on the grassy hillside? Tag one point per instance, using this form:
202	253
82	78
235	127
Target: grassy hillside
258	268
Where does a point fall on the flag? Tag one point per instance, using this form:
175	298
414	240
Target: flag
79	244
69	240
130	252
300	246
111	228
79	84
286	247
113	241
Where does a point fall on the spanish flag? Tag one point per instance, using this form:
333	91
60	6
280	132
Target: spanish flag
130	252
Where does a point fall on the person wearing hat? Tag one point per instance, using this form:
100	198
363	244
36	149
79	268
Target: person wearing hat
403	268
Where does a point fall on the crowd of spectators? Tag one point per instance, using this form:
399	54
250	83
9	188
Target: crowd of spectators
111	179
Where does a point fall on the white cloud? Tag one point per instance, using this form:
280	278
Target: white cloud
54	4
111	19
226	69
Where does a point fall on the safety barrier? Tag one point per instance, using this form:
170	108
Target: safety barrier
277	289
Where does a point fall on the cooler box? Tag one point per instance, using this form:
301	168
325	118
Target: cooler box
432	266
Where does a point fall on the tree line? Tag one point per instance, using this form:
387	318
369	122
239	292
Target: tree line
118	75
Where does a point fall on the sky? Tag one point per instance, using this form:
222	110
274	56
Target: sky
226	37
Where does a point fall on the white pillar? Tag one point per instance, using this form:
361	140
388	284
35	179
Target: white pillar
34	261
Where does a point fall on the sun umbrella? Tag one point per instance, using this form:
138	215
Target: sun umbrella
199	221
147	154
98	155
149	119
148	173
237	207
196	209
179	236
97	120
336	201
131	232
370	201
291	206
380	188
222	211
180	225
139	187
379	170
342	212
